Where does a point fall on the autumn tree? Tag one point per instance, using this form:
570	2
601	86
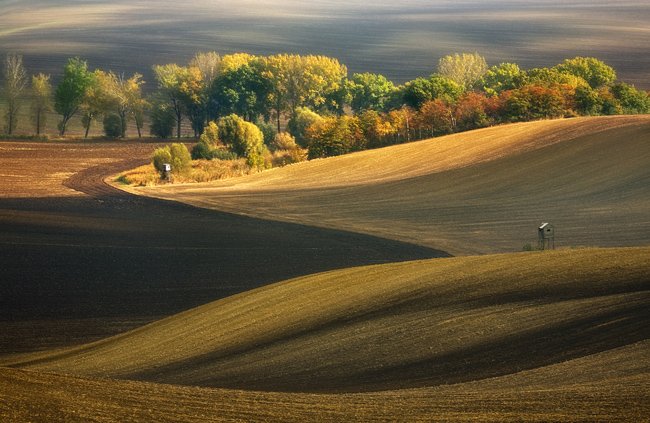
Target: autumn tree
210	67
126	99
402	121
435	117
97	99
465	69
549	77
15	82
192	96
532	102
208	142
470	112
416	92
71	91
170	77
296	81
302	119
376	128
41	101
333	136
596	72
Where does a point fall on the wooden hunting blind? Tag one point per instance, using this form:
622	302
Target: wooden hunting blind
546	235
167	169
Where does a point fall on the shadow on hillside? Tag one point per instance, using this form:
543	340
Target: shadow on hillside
119	261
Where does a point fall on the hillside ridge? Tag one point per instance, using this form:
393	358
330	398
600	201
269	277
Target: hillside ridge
478	192
393	326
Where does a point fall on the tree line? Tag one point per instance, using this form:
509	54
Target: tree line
313	98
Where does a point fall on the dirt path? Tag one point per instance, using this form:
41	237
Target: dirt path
82	260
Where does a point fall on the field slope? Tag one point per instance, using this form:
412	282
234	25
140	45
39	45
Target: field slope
556	335
482	191
529	336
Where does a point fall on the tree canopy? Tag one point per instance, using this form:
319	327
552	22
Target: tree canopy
465	69
71	91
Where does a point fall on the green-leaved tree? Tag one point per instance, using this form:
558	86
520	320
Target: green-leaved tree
71	91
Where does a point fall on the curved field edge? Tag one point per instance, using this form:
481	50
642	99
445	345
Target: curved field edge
618	390
477	192
385	327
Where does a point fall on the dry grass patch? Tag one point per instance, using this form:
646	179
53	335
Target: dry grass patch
201	171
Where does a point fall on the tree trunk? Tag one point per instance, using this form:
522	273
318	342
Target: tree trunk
88	128
122	114
178	125
62	125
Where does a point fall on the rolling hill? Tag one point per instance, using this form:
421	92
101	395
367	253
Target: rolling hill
478	192
537	336
529	336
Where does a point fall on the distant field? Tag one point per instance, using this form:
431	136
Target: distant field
532	336
402	40
475	192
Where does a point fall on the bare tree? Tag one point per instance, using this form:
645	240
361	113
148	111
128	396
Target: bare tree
15	83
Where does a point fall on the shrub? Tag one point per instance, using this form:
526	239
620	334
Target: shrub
222	154
283	141
161	156
181	160
123	179
210	135
201	151
286	151
209	143
112	126
243	138
177	155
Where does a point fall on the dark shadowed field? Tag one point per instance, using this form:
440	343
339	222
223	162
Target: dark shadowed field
402	40
81	260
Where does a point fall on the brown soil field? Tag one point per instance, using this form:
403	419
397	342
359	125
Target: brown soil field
482	191
402	40
433	340
81	260
333	301
524	397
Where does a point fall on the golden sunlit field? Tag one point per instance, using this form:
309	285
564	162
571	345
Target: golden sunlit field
483	191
